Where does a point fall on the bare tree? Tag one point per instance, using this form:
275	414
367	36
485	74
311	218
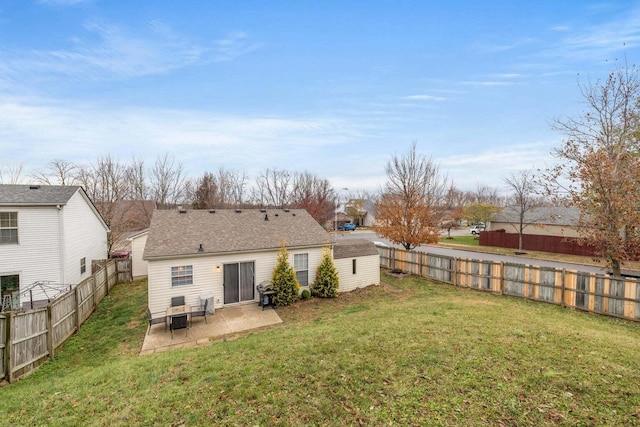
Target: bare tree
167	181
599	168
11	174
224	189
486	194
136	180
274	188
57	172
411	205
105	183
523	199
314	194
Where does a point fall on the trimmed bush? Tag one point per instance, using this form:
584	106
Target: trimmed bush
284	280
305	294
327	282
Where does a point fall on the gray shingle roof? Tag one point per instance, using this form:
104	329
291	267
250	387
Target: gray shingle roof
174	234
30	195
548	215
353	248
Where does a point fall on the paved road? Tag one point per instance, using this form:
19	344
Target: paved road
460	253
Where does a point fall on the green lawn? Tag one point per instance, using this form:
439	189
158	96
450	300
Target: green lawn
469	240
407	353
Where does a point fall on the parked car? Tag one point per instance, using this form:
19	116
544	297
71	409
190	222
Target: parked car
476	229
348	227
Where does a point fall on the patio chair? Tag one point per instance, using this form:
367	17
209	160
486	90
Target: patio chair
176	301
200	311
179	321
155	321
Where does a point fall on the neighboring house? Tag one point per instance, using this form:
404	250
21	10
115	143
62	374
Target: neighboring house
139	266
224	254
547	221
363	212
48	234
357	262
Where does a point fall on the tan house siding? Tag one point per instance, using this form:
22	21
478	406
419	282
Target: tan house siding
207	278
367	272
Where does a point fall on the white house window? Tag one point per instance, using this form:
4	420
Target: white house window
182	275
301	266
83	265
8	227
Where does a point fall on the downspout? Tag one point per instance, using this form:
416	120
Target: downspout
61	242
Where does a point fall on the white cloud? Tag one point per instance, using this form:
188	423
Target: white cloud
37	131
424	98
113	52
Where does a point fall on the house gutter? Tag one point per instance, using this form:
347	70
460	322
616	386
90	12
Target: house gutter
210	254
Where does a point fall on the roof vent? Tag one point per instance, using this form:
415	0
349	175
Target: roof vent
182	210
263	210
212	211
276	214
34	187
266	217
238	210
286	210
294	214
200	249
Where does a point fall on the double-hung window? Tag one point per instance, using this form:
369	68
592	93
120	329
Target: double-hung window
301	266
83	265
182	275
8	227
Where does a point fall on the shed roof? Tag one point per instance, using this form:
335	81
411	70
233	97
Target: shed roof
175	233
36	195
353	248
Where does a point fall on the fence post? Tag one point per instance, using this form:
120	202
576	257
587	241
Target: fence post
455	267
50	331
564	280
9	343
503	272
77	316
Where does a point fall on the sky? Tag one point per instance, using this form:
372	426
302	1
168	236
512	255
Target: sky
335	88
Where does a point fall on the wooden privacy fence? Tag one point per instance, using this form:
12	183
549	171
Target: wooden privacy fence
30	338
569	288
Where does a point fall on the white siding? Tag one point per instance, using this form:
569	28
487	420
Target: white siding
367	272
207	278
139	267
36	256
84	237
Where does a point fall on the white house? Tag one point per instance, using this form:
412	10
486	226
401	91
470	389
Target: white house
139	266
224	254
357	262
48	234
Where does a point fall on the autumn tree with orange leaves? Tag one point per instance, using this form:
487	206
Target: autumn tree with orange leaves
599	168
411	205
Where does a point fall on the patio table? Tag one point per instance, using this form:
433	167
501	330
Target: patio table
178	310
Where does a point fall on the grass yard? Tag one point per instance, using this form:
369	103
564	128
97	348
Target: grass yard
409	352
470	240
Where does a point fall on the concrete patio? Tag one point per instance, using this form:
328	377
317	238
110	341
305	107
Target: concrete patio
225	321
